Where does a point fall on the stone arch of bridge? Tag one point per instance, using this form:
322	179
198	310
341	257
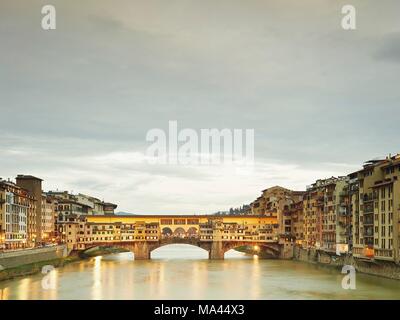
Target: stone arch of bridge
120	245
271	249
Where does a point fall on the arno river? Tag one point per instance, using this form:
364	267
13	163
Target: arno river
184	272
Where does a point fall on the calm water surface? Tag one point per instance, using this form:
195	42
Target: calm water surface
184	272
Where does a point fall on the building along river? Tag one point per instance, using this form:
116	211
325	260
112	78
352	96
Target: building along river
184	272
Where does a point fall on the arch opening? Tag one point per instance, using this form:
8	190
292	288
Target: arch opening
166	232
192	232
250	251
179	233
103	250
237	252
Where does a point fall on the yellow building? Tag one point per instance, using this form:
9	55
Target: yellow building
376	209
313	204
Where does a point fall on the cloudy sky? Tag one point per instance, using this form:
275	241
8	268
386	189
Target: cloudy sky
76	102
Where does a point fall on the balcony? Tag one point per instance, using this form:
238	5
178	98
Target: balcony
368	209
368	232
368	222
368	198
383	254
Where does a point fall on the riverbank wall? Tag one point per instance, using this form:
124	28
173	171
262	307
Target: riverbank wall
30	261
22	257
385	269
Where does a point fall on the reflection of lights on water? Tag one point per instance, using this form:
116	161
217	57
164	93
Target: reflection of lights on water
255	278
4	294
97	278
23	289
97	261
198	280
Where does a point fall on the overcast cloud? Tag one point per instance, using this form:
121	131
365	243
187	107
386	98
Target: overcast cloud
76	103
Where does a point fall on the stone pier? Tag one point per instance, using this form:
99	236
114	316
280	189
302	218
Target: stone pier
217	251
141	250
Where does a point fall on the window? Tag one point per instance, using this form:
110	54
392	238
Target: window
179	221
166	221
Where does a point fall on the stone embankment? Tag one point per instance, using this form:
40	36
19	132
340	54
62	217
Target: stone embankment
25	262
30	261
385	269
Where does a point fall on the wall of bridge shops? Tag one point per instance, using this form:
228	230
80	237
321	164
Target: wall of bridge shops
201	220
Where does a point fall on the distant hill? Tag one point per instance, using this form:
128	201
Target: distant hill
121	213
242	210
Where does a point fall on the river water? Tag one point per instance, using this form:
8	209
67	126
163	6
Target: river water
184	272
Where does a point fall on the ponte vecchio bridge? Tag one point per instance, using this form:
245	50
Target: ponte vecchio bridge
141	234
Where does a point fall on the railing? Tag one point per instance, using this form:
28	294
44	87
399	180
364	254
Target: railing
368	209
368	233
383	253
369	198
368	221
